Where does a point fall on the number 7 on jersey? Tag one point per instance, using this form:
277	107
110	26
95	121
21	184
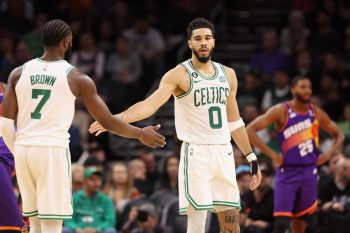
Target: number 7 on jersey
35	95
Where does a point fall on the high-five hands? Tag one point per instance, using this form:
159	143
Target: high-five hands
149	135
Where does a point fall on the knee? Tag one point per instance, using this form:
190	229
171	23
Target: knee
110	230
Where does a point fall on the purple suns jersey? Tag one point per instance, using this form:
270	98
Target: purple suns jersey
5	154
298	138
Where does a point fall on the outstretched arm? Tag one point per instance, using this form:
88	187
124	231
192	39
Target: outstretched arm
149	106
84	86
272	115
239	135
330	127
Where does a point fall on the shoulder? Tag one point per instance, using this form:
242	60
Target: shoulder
231	75
78	195
15	75
174	73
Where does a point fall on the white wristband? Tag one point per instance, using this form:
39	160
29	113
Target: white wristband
251	157
232	126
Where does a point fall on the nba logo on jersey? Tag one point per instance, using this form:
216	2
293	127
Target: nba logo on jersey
45	68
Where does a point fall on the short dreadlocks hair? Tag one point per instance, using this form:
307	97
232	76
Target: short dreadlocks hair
54	32
199	23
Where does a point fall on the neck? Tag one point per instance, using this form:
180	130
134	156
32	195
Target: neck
89	193
52	54
199	65
301	107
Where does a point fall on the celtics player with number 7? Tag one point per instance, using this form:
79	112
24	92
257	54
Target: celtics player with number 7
297	122
206	113
40	97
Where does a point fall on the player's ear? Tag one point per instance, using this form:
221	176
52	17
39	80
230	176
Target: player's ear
189	42
213	42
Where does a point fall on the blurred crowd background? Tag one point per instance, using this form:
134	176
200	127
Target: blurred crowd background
126	47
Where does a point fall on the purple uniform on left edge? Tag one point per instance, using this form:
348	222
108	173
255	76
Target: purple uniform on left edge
10	215
296	179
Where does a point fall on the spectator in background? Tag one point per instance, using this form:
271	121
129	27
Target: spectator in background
149	43
7	57
121	18
88	58
324	38
93	211
32	38
138	172
120	186
243	178
344	125
124	69
328	90
149	158
279	92
105	37
304	66
251	91
335	205
22	54
249	112
333	66
77	177
169	179
270	58
259	204
146	218
294	32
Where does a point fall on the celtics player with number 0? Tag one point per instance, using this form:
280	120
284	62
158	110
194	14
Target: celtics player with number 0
206	113
41	96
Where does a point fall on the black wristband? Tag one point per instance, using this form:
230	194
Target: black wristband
254	166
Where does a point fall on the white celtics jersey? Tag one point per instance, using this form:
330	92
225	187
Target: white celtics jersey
200	113
45	104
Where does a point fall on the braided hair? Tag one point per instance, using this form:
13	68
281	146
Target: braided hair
54	32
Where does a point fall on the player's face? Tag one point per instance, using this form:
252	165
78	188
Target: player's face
302	91
202	44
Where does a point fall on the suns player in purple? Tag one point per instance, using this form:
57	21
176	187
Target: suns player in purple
297	122
10	217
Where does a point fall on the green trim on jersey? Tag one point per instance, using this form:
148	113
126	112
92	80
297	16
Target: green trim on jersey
187	194
69	69
30	214
38	59
201	75
54	216
191	84
69	175
23	66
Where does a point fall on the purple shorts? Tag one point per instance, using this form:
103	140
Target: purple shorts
295	191
10	215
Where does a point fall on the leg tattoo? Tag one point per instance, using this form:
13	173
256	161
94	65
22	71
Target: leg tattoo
229	221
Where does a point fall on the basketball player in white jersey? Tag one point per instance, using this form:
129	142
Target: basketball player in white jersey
206	113
41	96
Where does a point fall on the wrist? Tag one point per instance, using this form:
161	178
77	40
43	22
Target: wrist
139	133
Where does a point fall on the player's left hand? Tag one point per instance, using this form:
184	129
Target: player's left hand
256	179
96	128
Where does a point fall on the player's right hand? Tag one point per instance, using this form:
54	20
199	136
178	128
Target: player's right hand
151	138
96	128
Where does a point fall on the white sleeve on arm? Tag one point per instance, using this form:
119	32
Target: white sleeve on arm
7	130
